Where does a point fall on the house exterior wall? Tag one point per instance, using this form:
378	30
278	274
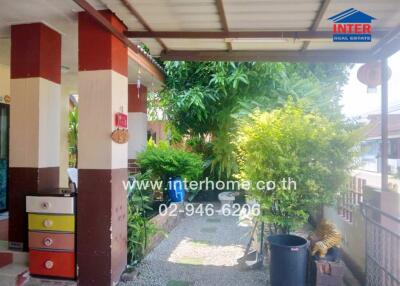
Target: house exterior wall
4	82
102	200
370	159
64	123
35	73
4	90
157	130
353	230
353	241
137	120
137	123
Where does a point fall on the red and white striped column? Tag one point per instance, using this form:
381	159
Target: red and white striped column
102	200
137	123
34	120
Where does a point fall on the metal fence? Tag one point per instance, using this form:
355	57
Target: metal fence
382	247
351	199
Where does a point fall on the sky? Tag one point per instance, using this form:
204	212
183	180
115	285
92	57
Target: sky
357	102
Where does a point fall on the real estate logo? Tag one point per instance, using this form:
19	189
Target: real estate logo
352	26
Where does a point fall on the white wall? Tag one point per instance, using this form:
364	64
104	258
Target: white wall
353	234
137	126
4	81
101	94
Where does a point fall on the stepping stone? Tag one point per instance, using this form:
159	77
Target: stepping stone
208	230
179	283
214	220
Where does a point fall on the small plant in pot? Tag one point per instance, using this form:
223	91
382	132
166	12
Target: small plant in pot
315	153
170	165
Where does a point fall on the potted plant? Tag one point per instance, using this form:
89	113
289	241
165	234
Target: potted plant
315	153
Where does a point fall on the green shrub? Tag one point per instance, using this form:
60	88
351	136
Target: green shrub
140	229
289	142
165	162
73	137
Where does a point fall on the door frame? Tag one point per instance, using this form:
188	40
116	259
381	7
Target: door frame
7	106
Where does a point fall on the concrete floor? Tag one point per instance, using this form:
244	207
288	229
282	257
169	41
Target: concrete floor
200	251
203	251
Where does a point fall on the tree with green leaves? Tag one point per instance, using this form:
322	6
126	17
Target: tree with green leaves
73	137
203	100
290	142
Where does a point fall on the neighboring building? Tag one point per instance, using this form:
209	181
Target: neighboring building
157	130
371	159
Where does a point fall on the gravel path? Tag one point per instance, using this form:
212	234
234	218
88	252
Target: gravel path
200	251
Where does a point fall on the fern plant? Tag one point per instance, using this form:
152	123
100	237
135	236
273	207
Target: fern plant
165	162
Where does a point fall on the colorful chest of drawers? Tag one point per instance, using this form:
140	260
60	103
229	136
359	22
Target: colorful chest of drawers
51	224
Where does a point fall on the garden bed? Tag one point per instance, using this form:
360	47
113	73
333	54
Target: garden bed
165	224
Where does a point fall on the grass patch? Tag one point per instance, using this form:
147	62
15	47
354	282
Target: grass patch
191	260
200	243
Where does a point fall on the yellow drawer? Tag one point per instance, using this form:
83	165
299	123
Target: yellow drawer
51	222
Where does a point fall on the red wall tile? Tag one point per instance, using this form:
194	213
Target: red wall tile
35	52
98	48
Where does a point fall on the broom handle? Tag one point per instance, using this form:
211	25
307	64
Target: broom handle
251	237
262	238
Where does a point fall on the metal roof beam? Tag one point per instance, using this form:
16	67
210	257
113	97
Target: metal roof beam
317	20
134	51
105	23
296	35
388	45
343	56
142	21
223	20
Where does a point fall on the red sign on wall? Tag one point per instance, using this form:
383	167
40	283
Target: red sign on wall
121	120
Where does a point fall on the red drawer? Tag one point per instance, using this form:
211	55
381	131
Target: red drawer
52	263
48	240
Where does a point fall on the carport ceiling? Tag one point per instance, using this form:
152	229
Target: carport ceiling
277	30
61	15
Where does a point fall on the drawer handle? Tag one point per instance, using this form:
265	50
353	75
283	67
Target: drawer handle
47	241
45	205
49	264
47	223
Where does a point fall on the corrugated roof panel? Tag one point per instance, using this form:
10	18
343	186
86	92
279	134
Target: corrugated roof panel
251	15
181	9
124	14
288	46
152	44
179	15
195	44
340	46
269	7
270	26
270	15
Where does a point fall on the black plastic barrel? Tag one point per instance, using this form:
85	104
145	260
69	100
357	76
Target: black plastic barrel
288	265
